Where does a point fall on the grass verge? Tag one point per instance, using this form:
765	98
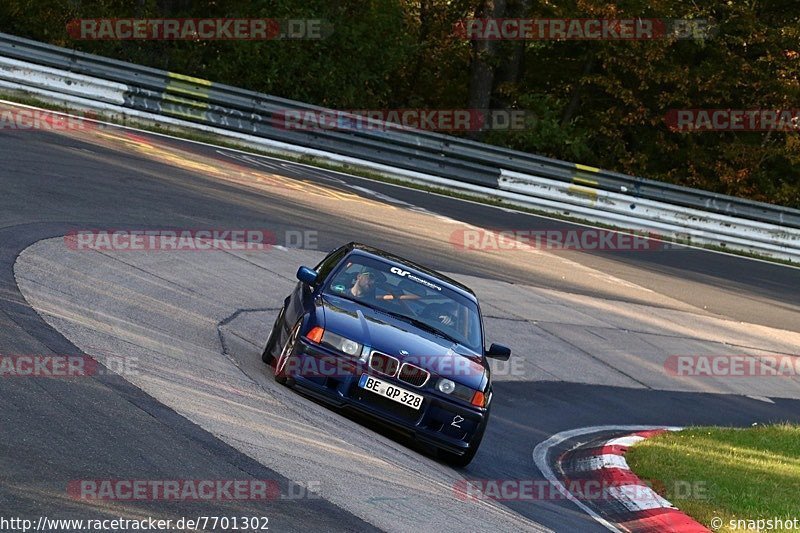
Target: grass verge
717	475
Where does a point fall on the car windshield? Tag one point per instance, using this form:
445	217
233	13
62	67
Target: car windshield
413	297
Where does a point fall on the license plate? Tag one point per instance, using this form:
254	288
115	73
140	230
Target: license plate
388	390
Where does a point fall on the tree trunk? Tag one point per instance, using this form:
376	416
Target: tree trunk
510	71
425	11
572	107
482	67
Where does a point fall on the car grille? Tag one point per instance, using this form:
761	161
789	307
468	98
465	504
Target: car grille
384	364
413	375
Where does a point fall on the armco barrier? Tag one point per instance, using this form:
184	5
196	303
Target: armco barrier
651	216
86	81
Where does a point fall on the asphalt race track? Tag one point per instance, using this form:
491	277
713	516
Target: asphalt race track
590	333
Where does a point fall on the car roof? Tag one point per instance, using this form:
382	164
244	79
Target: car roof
364	249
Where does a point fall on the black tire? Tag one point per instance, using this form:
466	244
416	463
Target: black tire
459	461
267	355
286	352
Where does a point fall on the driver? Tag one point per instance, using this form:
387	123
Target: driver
364	284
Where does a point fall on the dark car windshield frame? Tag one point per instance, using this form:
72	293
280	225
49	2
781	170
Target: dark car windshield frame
429	294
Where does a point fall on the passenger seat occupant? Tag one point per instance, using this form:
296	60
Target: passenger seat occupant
443	312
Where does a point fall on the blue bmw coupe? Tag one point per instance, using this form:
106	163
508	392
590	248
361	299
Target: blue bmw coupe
368	331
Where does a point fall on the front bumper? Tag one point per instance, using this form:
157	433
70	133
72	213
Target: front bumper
333	378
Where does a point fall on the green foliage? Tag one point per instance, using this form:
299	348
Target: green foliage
544	133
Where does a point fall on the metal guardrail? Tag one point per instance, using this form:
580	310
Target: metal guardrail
654	216
502	172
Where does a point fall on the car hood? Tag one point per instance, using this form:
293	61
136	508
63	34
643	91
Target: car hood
403	340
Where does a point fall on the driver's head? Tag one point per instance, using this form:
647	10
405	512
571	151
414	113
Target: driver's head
365	282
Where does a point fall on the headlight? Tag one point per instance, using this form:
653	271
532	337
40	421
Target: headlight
350	347
445	385
471	396
343	344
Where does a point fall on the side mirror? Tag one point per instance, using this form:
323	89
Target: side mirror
307	275
498	351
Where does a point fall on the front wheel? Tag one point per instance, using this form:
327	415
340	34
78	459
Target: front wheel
459	461
267	356
281	375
